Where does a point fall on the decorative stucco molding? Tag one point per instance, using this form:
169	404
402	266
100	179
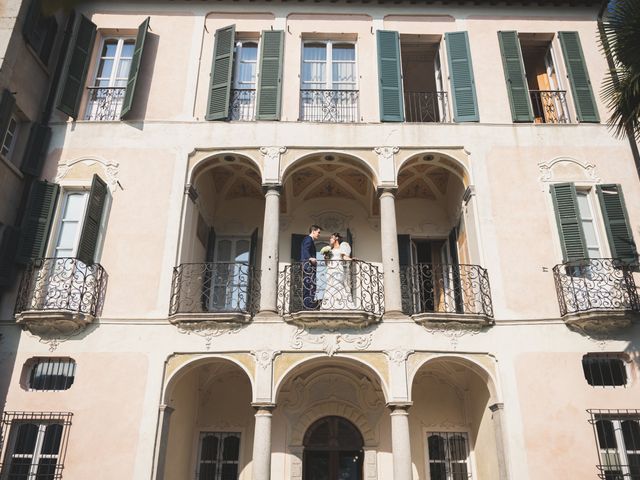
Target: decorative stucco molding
332	220
208	330
330	342
453	330
271	162
385	154
264	358
386	164
111	170
398	355
547	173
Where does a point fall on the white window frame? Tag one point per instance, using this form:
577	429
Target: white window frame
37	454
328	83
218	431
15	120
470	450
620	452
598	222
236	63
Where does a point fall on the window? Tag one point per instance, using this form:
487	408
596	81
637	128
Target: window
10	138
329	82
40	30
36	445
448	456
51	374
73	210
245	70
106	95
219	455
602	370
618	436
230	284
588	224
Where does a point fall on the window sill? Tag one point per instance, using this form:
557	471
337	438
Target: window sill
36	57
11	166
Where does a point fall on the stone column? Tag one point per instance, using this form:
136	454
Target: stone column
390	261
262	443
162	437
497	411
269	259
401	442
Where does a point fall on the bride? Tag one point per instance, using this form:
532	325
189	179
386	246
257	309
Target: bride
337	293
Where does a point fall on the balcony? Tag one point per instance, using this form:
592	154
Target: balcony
335	293
426	107
597	293
549	106
444	293
329	106
221	292
60	295
104	103
242	105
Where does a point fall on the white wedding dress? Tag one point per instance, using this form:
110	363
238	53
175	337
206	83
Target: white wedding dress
338	294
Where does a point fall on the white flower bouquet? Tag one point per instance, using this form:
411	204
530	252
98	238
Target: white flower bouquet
326	252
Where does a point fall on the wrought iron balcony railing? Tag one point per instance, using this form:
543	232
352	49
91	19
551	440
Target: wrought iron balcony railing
215	287
63	284
333	106
332	286
426	107
242	105
550	106
104	103
595	284
441	288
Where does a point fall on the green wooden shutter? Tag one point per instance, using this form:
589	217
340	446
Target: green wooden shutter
463	87
391	104
616	222
37	220
572	240
221	70
9	237
92	219
270	83
579	77
135	68
34	153
517	86
76	66
7	102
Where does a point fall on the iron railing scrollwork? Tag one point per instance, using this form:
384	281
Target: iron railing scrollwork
215	287
104	103
595	284
442	288
426	107
550	105
66	284
242	104
331	285
333	106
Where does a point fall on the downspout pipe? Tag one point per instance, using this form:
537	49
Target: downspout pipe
614	76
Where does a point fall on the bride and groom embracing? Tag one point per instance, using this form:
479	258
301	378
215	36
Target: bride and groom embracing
336	292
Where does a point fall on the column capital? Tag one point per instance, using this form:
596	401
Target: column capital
166	409
496	406
271	188
263	408
387	190
386	153
399	408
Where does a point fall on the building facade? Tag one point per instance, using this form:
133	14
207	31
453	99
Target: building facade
161	321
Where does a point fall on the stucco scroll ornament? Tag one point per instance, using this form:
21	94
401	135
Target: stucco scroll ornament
453	331
272	154
264	358
111	170
398	355
208	330
385	154
330	342
49	334
547	174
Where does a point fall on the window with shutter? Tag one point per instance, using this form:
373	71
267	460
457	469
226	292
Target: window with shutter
390	76
221	72
9	237
517	87
616	220
134	69
463	89
40	30
569	222
270	84
37	220
35	151
91	233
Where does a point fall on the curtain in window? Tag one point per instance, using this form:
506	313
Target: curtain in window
343	65
314	70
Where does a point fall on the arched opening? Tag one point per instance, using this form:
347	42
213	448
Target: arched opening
337	192
220	250
333	448
437	240
211	426
452	430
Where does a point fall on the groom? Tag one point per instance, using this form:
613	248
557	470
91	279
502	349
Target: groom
308	259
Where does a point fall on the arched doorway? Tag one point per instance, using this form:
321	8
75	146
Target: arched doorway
333	450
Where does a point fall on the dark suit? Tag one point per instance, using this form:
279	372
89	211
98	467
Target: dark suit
307	251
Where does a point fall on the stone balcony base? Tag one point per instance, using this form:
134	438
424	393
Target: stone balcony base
53	322
332	319
184	319
601	321
452	318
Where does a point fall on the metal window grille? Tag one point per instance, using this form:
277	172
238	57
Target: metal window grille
51	374
36	445
602	370
448	456
219	454
617	434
